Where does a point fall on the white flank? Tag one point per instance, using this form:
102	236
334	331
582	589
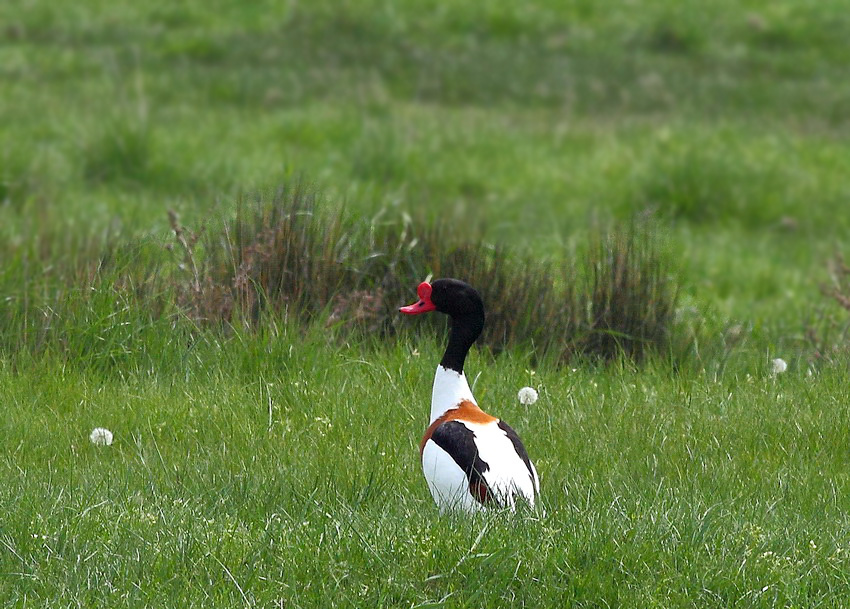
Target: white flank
447	481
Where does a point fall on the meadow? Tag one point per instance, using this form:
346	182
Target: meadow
266	456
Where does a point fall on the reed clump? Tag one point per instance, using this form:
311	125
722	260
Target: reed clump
288	256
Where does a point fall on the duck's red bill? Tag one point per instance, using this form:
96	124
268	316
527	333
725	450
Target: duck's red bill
424	304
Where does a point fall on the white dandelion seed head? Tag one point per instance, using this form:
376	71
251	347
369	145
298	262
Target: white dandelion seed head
779	365
527	396
101	436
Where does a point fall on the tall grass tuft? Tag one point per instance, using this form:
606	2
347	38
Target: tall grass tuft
632	295
276	255
286	256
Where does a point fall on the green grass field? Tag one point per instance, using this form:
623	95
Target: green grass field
277	465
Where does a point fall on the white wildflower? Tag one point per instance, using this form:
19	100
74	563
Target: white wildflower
779	365
527	396
101	436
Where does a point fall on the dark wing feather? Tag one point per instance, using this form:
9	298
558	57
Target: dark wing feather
459	442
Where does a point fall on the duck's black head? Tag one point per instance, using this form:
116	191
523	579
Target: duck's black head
463	304
453	297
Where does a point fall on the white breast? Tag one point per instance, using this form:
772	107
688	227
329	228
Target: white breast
450	389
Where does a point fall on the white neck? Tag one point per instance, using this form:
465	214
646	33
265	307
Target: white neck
450	389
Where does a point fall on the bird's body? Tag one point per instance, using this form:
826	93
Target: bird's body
471	459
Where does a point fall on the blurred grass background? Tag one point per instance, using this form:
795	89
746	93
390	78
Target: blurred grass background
727	120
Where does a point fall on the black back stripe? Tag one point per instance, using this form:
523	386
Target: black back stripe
459	442
519	448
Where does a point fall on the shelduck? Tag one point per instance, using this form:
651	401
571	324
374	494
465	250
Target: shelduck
471	460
